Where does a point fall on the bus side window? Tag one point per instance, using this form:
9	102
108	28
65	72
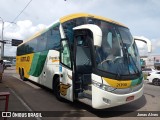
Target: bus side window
65	54
53	39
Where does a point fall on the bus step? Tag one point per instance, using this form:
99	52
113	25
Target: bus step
80	95
88	92
88	87
79	89
78	82
85	94
86	101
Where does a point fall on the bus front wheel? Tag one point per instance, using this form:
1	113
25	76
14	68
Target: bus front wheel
56	89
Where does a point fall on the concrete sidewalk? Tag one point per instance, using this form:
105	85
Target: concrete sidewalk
15	102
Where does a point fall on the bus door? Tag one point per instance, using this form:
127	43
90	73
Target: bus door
66	79
85	37
83	63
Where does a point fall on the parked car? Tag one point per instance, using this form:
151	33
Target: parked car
154	78
7	63
14	62
148	70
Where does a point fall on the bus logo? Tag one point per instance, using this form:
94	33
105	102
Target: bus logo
25	59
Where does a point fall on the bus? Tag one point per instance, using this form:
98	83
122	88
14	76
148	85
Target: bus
86	58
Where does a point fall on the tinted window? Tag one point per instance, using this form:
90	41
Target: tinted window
53	39
32	45
42	41
19	50
65	54
69	25
46	41
125	34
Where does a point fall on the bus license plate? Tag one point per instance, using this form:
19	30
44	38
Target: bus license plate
130	98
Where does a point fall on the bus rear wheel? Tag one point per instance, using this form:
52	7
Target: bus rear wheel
22	75
56	89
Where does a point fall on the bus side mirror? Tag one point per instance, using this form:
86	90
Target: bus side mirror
97	40
97	32
145	40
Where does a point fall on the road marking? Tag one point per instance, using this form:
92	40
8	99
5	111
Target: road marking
25	104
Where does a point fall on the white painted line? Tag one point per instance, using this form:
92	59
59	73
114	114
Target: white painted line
25	104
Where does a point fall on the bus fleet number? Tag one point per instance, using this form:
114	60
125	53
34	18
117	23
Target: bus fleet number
121	84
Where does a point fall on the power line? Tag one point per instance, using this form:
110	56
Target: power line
13	21
21	11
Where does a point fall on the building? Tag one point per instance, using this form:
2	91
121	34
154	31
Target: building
151	61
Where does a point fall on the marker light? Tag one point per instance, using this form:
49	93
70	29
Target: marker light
102	86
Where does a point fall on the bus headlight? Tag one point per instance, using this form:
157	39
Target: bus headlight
102	86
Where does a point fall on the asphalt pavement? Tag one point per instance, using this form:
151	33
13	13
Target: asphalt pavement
28	97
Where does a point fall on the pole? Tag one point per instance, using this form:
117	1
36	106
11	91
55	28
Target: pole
2	44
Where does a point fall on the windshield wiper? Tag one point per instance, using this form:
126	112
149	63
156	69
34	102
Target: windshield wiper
127	55
138	72
129	62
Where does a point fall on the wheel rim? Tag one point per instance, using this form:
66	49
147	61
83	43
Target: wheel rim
156	82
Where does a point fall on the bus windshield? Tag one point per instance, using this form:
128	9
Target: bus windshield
118	53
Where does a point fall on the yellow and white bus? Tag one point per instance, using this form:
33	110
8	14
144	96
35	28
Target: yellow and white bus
84	57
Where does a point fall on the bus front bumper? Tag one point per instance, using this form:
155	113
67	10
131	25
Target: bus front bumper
102	99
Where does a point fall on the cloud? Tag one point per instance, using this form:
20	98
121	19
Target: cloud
156	46
22	31
9	51
142	17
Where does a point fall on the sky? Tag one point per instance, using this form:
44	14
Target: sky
141	16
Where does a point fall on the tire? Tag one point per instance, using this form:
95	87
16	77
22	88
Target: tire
22	75
156	81
56	89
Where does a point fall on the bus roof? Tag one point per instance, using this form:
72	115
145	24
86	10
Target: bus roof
70	17
78	15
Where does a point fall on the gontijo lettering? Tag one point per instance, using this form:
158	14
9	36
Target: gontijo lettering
25	59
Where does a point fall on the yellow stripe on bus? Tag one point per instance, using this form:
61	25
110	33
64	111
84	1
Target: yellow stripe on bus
118	83
78	15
